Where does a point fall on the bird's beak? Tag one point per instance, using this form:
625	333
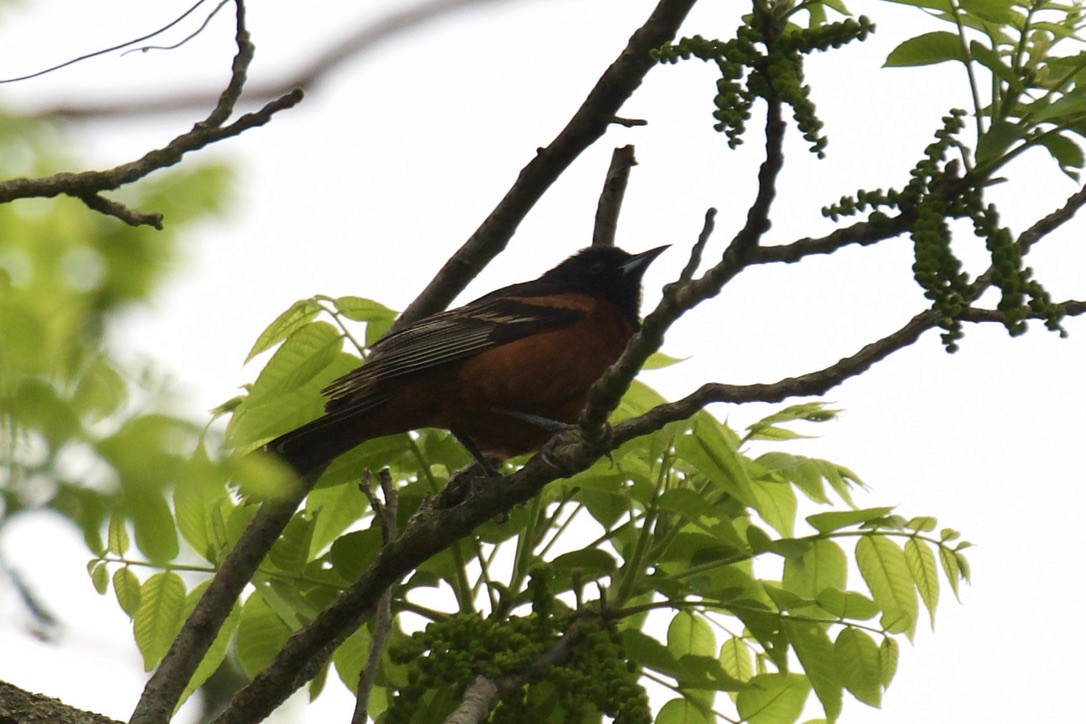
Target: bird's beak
637	263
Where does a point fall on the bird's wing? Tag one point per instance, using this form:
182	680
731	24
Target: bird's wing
451	336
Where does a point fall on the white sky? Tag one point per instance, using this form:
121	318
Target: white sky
390	164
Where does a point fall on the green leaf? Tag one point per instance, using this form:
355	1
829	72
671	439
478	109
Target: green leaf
777	506
99	573
888	656
682	711
829	522
199	501
822	566
847	604
710	451
290	552
992	60
646	651
690	634
773	698
935	47
951	569
1065	151
857	660
922	524
261	634
922	568
883	567
360	309
127	589
996	140
999	12
659	360
351	656
156	534
216	653
294	318
735	659
815	652
159	616
333	509
117	537
305	353
591	562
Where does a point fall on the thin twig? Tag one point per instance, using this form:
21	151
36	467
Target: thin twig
88	185
332	56
614	189
382	621
97	53
694	261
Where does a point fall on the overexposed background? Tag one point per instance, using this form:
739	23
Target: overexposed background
394	159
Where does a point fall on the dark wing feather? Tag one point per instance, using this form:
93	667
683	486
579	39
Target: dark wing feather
446	337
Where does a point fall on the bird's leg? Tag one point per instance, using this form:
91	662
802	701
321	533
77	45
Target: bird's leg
474	451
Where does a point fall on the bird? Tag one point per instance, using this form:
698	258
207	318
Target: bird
501	373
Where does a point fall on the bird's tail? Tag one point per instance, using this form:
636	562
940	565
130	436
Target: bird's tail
315	444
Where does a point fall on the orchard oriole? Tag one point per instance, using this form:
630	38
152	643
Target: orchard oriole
501	373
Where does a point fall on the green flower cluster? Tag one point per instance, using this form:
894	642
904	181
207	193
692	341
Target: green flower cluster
765	60
934	195
593	678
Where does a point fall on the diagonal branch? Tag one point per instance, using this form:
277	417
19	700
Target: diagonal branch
812	383
586	126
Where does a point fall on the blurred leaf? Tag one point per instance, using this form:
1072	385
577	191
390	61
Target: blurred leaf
156	534
127	589
117	538
99	574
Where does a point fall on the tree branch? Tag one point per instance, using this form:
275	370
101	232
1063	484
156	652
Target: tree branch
88	185
588	124
18	707
1053	221
614	189
810	384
